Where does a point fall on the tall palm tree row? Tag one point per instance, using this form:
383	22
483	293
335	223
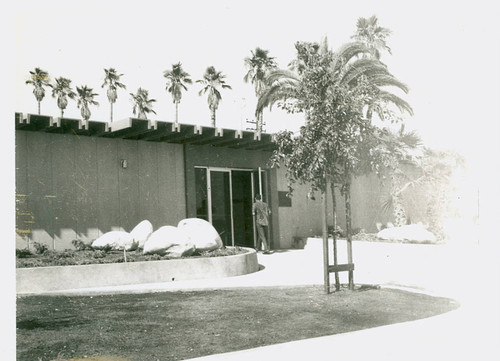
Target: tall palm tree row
39	79
258	65
177	79
112	80
85	97
142	104
212	81
62	90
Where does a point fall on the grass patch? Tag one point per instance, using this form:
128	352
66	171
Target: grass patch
25	258
181	325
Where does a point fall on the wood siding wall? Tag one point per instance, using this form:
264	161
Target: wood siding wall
73	187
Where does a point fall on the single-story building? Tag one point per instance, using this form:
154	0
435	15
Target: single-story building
78	179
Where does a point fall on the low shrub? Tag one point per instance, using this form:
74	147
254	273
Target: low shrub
40	248
23	253
80	245
73	257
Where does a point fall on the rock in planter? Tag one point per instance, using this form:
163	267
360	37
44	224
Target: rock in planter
412	232
169	240
117	240
201	233
141	232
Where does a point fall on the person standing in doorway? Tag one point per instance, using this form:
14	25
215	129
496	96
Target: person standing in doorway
261	212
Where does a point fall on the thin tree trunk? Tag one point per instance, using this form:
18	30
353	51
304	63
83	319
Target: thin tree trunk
111	115
39	108
348	230
213	118
62	113
176	112
334	236
326	273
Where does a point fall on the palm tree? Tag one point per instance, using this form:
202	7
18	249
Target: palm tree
176	80
212	80
39	79
62	90
142	104
400	150
112	80
258	66
347	70
372	35
85	98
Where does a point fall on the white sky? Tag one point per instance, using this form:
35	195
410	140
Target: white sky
446	51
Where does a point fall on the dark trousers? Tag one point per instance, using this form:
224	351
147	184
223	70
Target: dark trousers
262	231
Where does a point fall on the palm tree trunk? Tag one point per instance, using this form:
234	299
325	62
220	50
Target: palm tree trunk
62	113
176	112
348	220
334	236
397	203
38	107
213	118
111	115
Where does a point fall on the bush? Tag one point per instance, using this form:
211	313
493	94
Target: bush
40	248
23	253
81	246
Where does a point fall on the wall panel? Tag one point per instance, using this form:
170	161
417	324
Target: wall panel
63	190
128	182
148	201
40	194
86	189
107	185
24	216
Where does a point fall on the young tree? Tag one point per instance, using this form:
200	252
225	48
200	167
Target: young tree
39	79
142	104
85	97
212	80
258	66
331	89
177	79
62	90
112	80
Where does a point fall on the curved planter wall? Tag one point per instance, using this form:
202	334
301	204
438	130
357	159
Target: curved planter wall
43	279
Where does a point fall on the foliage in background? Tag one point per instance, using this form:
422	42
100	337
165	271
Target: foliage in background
85	96
142	104
112	81
259	65
40	79
62	90
212	81
177	79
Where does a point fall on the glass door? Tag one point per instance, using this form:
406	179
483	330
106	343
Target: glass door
224	197
220	211
242	200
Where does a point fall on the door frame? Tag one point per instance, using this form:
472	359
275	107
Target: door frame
230	170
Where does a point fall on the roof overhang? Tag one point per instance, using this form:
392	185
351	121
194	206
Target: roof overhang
148	130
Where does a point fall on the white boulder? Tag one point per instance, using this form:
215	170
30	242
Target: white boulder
201	233
411	232
117	240
141	232
169	240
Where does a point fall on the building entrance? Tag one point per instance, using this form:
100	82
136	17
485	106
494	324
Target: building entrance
224	197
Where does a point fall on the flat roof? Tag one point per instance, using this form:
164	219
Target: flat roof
148	130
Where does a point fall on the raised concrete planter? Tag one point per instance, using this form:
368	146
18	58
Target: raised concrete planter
44	279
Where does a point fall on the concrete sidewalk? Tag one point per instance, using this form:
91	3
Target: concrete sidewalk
469	333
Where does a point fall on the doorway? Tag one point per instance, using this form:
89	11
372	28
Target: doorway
224	197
